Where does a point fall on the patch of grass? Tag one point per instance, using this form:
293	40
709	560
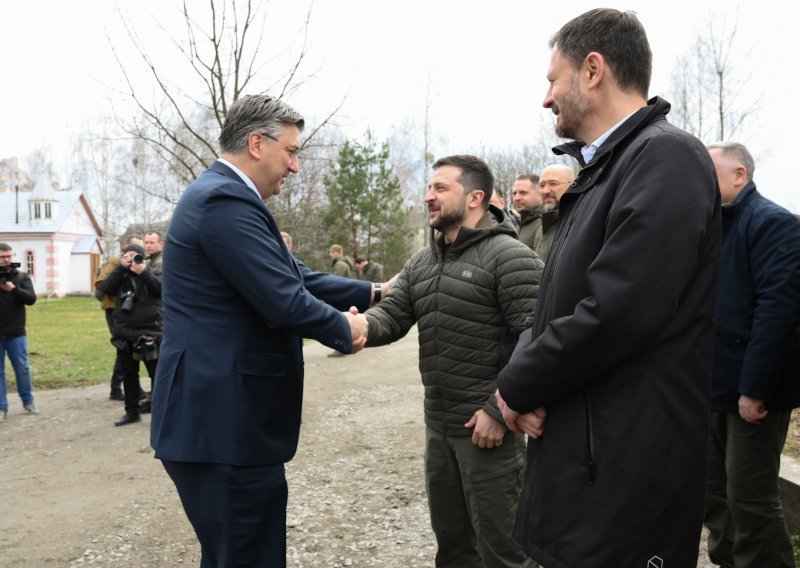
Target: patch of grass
68	344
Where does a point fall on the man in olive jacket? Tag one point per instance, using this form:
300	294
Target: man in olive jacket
469	292
619	355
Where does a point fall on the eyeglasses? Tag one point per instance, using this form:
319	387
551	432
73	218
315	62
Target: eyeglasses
291	150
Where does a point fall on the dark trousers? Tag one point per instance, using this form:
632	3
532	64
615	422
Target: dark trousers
130	378
238	513
116	373
743	509
473	495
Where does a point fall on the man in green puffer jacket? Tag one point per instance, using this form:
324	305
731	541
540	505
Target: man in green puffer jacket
469	291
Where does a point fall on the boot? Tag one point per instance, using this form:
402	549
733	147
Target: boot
129	418
116	394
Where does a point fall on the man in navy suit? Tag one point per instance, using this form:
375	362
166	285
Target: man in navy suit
229	386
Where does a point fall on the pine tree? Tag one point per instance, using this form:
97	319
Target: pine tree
367	213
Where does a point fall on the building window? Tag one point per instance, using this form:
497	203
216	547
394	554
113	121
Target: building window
47	214
37	210
29	262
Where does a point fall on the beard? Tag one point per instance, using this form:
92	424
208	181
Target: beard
452	218
572	113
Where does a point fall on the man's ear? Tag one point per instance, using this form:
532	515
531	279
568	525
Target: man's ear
593	68
741	172
255	145
476	198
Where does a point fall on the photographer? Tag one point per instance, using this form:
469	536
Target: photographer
137	322
16	292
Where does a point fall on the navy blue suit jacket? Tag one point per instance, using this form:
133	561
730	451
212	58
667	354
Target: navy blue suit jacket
237	304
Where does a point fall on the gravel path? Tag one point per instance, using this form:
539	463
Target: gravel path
79	492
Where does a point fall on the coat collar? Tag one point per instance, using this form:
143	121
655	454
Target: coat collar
656	108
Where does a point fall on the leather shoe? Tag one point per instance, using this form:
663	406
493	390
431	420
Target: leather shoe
128	419
116	394
144	407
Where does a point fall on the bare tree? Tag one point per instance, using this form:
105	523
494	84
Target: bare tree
221	48
507	164
708	85
300	206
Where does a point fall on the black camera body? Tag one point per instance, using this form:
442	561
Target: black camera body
126	301
7	269
138	258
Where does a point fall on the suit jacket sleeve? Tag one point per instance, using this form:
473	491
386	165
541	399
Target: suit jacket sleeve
251	254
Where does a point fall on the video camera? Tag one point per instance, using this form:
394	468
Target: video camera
7	269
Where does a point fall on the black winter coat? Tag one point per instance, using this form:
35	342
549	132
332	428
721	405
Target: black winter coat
145	317
620	354
12	305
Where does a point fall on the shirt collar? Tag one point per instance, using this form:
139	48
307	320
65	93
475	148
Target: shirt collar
248	182
589	151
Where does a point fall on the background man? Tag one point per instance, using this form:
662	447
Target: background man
553	182
499	200
229	384
341	265
469	291
369	270
287	239
108	304
153	245
619	356
527	201
756	372
137	324
16	292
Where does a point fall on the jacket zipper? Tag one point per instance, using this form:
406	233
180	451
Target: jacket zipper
589	437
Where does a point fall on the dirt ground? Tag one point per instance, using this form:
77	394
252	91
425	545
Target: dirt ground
77	491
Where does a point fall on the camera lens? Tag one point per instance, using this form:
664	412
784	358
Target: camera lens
138	258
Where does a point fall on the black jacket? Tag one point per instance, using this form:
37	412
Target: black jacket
620	354
145	316
12	305
757	346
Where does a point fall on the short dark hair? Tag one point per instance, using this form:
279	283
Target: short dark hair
156	233
618	36
360	259
533	178
5	246
475	174
256	113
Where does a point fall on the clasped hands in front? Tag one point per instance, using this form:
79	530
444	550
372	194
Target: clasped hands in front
532	423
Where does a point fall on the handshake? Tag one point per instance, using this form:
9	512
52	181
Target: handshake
358	328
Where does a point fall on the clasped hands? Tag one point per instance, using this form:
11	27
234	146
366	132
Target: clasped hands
532	423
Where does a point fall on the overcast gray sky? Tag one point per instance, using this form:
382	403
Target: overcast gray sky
484	63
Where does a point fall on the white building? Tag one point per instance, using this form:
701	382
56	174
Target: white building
55	237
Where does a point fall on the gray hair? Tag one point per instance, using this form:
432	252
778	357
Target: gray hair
256	113
739	153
